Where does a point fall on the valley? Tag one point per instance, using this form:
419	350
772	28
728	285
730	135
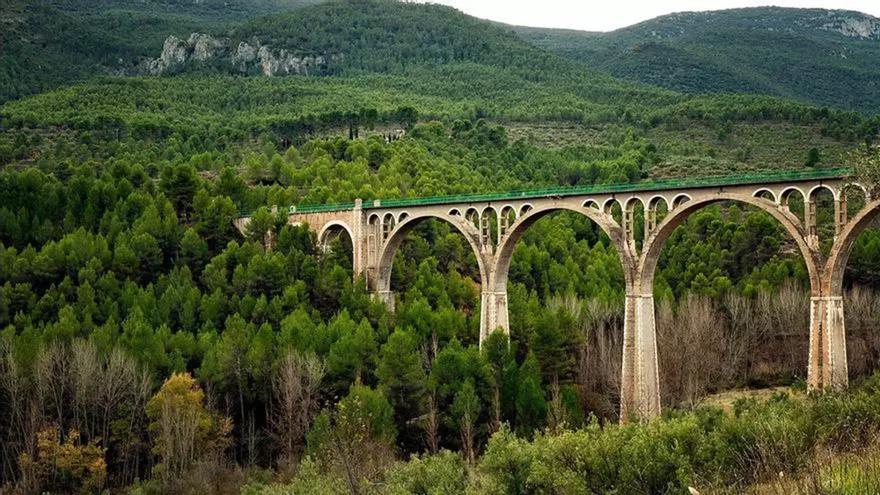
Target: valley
151	343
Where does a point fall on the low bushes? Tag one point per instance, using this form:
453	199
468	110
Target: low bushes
704	448
707	449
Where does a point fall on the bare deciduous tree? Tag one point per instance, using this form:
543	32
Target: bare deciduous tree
862	313
692	348
431	424
78	389
51	377
295	401
19	426
556	419
599	356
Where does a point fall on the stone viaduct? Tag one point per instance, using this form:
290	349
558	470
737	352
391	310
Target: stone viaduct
494	223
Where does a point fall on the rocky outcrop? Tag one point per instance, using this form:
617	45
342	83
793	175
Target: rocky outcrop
854	26
174	54
204	47
247	57
244	56
849	24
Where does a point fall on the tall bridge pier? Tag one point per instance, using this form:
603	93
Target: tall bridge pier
494	223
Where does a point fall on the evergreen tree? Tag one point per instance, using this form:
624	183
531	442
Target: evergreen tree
402	379
531	405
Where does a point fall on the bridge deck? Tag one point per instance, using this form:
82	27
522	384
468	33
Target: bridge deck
647	185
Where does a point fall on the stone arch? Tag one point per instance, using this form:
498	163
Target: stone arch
651	255
386	256
609	204
842	248
591	203
506	218
853	198
373	236
856	185
794	201
330	231
654	201
504	253
613	208
403	216
631	202
525	209
785	195
821	215
472	216
679	200
765	193
656	209
811	195
488	226
388	224
507	210
633	214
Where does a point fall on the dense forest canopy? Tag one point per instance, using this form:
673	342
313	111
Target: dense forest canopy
207	10
145	343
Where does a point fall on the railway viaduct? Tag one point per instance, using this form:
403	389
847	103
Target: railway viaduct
494	223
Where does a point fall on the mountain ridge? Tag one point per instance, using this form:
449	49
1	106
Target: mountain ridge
820	56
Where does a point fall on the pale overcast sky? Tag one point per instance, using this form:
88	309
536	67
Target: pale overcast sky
607	15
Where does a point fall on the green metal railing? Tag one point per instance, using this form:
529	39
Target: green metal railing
647	185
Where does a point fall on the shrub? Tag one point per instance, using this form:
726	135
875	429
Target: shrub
356	441
506	464
438	474
706	449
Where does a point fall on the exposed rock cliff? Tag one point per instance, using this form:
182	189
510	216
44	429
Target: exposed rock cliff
248	57
851	24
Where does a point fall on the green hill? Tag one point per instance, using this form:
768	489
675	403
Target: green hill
208	10
381	36
389	54
385	35
826	57
396	62
49	43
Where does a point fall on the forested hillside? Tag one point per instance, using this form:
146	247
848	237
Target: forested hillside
395	80
48	43
146	345
206	10
826	57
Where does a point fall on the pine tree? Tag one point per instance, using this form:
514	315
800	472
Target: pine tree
402	379
531	405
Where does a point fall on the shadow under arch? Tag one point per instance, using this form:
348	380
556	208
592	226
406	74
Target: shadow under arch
397	236
518	229
651	256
